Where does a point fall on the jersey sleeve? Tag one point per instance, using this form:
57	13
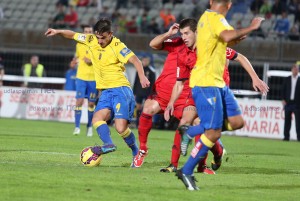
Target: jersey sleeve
220	24
231	54
171	44
87	39
123	53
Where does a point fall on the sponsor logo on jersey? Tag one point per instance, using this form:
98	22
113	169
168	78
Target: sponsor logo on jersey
81	37
125	51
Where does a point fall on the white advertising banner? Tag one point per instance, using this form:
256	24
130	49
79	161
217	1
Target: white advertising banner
39	104
264	118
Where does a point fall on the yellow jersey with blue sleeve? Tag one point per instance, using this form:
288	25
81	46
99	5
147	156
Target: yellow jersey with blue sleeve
211	51
84	71
108	62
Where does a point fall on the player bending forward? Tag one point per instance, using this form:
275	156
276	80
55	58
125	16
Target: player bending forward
108	55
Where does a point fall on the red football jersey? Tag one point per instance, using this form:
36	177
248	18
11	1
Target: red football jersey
167	78
187	60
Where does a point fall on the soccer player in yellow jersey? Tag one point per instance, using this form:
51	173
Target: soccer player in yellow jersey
108	55
208	87
85	84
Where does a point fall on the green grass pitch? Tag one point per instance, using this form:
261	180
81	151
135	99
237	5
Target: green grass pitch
40	161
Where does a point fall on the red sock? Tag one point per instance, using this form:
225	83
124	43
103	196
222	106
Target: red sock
145	125
217	149
202	164
176	149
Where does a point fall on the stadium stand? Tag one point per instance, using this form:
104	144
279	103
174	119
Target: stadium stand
25	21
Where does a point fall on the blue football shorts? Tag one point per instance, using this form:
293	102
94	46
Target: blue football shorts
230	105
120	101
86	89
214	105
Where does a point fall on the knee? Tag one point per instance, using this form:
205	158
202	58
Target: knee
79	102
148	110
238	124
91	104
121	128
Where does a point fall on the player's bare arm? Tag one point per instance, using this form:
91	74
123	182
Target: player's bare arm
231	35
177	89
257	83
65	33
157	42
140	70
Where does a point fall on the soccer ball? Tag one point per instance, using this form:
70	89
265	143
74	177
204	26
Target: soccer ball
88	158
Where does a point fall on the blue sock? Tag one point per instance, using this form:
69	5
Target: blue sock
90	117
198	153
77	116
131	142
195	130
103	132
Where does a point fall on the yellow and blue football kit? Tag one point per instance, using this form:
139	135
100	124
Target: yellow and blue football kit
85	78
116	94
208	87
108	64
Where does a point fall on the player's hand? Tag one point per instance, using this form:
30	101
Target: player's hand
173	29
261	86
144	81
256	22
87	61
168	112
51	32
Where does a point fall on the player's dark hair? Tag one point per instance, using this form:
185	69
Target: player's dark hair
103	25
188	22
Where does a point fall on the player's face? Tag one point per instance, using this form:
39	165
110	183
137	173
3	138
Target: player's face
104	38
88	30
188	36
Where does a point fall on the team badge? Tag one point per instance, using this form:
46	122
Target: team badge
125	51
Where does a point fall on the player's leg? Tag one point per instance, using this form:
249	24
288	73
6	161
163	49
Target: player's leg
151	107
209	106
123	107
139	107
186	116
80	94
101	115
92	94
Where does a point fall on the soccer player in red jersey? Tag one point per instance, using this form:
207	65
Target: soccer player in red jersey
162	89
183	73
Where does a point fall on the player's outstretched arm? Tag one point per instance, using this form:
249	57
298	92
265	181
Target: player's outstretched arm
65	33
140	70
177	89
257	83
238	34
157	42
